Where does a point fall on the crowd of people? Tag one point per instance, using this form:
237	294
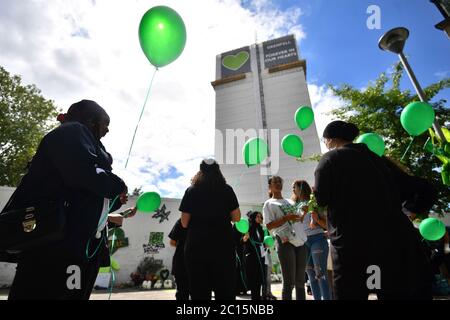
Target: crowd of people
363	198
356	190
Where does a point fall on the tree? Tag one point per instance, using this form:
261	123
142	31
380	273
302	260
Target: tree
377	109
25	117
137	192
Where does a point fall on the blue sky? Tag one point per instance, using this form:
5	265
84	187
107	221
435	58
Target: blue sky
339	48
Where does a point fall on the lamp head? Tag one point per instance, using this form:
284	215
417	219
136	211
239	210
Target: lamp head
394	40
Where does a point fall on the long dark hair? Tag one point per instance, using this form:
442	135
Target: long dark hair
253	226
304	189
209	177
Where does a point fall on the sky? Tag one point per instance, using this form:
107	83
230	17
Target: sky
89	49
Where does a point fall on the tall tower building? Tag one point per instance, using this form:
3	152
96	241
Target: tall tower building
258	90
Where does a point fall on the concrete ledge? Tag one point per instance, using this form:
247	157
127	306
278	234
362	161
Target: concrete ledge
228	79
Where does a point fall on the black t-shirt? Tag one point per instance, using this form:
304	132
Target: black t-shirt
178	234
210	222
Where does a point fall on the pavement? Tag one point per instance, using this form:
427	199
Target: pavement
169	294
159	294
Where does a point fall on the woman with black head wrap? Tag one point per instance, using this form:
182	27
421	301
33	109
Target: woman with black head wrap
374	245
208	207
71	166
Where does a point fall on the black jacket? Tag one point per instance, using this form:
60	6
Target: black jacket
364	194
70	164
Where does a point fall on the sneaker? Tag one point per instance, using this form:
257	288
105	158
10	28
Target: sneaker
308	291
271	297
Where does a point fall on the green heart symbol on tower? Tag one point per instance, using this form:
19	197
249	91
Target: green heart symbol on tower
235	62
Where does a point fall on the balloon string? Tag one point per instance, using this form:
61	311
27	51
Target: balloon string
140	117
113	275
407	149
238	180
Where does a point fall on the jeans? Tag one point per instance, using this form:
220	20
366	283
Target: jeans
316	266
266	289
293	261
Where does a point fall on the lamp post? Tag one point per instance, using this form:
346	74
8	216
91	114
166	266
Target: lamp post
444	8
394	41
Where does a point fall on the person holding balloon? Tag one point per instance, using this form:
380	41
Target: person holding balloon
254	252
72	167
281	217
316	244
208	207
357	186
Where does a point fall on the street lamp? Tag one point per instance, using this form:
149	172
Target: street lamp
394	41
444	8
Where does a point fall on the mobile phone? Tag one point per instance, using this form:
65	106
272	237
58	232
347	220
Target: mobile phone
126	212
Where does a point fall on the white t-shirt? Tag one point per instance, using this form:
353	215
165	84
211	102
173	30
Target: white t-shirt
275	209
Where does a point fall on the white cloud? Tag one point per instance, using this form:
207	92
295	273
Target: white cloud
441	75
323	101
75	50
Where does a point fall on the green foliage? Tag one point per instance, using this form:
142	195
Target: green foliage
25	117
378	108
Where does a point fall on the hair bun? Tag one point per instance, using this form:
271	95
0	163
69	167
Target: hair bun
61	117
341	130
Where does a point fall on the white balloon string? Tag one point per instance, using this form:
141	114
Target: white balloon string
140	117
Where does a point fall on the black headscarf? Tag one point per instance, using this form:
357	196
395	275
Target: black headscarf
88	113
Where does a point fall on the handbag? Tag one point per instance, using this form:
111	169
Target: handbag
28	228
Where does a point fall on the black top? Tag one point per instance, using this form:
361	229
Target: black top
356	192
210	222
178	234
256	234
70	165
364	194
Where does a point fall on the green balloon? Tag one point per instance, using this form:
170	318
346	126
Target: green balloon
269	241
266	232
417	117
255	151
162	35
242	226
104	270
373	141
432	229
148	202
292	145
304	116
114	264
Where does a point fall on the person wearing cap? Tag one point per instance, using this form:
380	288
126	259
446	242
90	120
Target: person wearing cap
374	246
70	166
208	207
